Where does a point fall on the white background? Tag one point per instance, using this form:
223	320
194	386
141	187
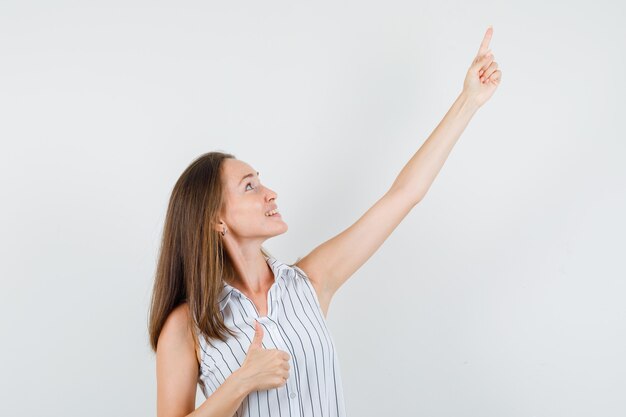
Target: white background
501	294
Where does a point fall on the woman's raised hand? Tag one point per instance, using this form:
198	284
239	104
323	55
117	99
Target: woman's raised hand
483	76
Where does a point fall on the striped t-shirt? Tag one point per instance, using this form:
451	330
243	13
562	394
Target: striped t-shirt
295	324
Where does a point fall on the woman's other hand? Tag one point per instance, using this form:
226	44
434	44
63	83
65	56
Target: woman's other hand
264	369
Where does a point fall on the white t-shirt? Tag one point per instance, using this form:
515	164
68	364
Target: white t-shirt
295	324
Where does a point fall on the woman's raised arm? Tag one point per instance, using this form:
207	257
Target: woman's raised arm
330	264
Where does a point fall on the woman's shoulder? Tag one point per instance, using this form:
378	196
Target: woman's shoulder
179	326
178	319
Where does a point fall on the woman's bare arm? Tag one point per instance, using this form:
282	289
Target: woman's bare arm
177	375
331	263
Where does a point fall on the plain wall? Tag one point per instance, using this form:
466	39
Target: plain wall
501	293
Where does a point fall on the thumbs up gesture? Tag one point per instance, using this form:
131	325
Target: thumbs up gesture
264	368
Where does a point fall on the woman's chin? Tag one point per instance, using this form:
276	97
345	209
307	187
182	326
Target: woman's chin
284	228
277	224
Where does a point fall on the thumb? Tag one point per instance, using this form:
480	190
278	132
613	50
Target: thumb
257	342
482	60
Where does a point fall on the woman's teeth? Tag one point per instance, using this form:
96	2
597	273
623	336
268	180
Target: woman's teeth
271	213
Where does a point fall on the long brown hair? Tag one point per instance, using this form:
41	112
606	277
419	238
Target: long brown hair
192	260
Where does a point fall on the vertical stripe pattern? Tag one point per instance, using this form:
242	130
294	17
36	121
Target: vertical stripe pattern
295	324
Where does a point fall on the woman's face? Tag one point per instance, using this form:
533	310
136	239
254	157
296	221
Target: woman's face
246	203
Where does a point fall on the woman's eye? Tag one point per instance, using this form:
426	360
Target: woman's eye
247	186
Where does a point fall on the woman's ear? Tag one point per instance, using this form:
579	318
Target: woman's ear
219	227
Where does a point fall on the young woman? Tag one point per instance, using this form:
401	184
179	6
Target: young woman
249	329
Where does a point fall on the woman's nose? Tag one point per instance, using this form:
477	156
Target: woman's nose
271	194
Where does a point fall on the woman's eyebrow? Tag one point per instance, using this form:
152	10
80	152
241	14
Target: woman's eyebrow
248	175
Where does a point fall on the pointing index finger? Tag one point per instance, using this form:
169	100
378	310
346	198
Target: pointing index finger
484	45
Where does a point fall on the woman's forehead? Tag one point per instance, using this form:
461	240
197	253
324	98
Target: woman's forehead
236	170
